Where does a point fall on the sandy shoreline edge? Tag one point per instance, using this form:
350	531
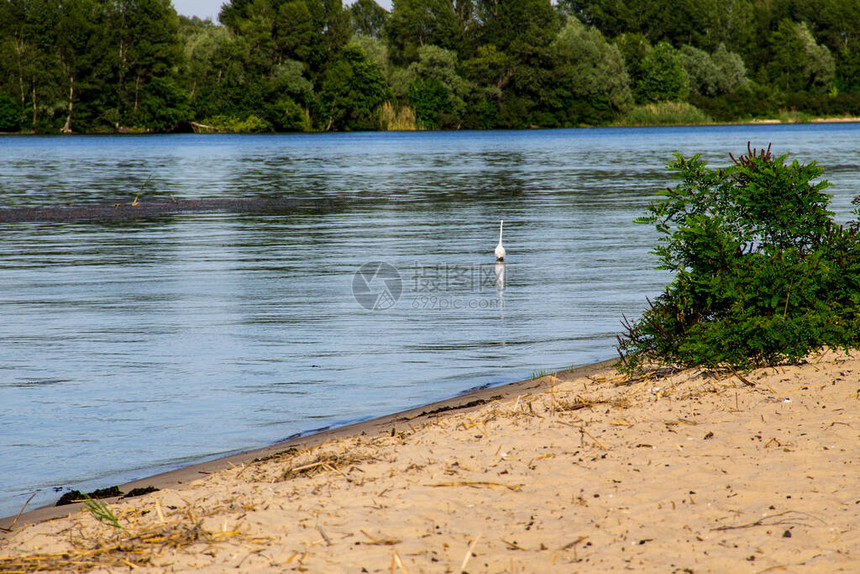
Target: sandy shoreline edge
470	399
579	471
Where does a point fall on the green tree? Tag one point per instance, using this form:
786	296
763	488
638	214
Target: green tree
164	105
436	91
310	31
520	27
205	64
728	22
79	41
376	51
847	71
658	20
838	28
145	36
416	23
634	48
297	35
31	61
273	63
233	86
592	85
731	71
233	11
703	24
289	95
490	71
522	33
611	18
336	28
491	68
87	64
352	90
368	18
702	72
664	78
798	62
253	25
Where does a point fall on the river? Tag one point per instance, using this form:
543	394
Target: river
129	347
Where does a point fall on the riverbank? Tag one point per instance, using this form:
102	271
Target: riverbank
584	470
789	118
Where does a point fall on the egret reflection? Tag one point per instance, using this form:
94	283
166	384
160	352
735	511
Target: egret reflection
500	275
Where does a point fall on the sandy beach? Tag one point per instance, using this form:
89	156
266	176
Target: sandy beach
582	471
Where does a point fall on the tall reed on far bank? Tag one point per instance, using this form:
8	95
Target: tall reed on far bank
397	118
665	114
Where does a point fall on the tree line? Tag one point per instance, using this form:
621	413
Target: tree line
304	65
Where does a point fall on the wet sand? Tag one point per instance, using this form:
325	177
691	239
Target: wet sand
579	471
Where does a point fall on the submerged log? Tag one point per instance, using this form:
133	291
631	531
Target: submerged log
199	128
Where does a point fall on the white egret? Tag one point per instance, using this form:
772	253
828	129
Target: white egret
500	251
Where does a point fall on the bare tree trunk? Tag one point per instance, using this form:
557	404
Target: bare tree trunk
121	92
19	49
34	103
67	129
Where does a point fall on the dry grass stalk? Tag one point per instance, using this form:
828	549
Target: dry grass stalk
574	543
512	545
397	562
578	403
380	541
130	548
324	535
777	519
740	377
479	484
327	462
469	552
591	436
20	512
618	380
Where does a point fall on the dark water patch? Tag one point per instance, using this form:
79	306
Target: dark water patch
148	210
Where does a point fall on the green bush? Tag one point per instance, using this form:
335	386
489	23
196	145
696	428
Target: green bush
762	273
288	116
10	113
429	99
231	124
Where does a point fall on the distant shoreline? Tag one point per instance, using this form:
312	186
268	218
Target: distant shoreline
753	122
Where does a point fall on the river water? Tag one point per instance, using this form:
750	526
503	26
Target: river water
136	346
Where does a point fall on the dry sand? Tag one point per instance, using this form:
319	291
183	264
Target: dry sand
579	472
